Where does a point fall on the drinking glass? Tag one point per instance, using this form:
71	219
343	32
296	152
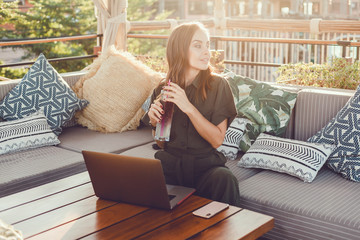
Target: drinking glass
162	132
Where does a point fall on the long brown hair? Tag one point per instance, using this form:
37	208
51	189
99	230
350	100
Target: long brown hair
177	55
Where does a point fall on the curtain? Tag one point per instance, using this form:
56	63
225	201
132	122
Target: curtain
111	18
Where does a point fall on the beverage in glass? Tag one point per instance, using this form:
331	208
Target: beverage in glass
162	132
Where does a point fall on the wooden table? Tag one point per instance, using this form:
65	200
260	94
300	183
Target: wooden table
68	209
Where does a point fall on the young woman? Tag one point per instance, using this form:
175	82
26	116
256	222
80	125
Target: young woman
203	109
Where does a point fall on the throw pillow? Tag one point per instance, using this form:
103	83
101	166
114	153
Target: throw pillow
42	88
116	85
296	158
344	131
233	135
29	132
267	107
9	232
146	104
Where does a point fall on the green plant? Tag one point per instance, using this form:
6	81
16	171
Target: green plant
158	64
217	60
12	73
54	18
337	73
73	17
143	10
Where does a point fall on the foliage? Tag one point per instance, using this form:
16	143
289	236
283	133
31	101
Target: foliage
75	17
338	73
54	18
157	64
12	73
6	15
143	10
217	61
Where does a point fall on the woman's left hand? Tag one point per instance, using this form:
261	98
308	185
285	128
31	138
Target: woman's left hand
178	96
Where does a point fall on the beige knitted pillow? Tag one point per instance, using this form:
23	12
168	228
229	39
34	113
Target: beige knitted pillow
116	87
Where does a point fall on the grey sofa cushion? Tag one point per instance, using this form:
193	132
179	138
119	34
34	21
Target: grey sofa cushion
144	151
27	169
239	172
80	138
327	208
315	108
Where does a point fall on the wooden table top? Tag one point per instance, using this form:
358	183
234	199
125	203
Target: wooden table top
68	209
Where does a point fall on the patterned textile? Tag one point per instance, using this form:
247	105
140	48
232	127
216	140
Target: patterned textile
29	132
42	88
233	135
344	131
296	158
146	104
268	107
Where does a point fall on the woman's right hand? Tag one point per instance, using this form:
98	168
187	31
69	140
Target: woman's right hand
155	112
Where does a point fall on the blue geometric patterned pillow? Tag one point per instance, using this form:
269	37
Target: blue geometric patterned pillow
344	131
42	88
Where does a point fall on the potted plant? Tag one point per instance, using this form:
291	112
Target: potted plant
337	73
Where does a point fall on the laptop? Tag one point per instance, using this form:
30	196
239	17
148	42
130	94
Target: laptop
134	180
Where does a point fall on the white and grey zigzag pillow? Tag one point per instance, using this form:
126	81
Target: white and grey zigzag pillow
297	158
29	132
233	135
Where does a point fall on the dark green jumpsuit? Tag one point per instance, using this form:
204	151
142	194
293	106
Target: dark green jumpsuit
188	159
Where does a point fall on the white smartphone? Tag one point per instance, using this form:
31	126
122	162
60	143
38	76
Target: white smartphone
210	209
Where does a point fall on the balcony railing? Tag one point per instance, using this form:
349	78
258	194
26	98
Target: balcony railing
8	43
254	56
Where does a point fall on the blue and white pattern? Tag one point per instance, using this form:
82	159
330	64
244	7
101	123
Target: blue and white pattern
344	131
296	158
146	104
42	88
29	132
233	135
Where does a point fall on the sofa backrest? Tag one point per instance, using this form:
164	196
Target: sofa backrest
71	78
314	108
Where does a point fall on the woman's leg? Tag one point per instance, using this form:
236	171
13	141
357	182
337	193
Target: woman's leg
169	165
219	184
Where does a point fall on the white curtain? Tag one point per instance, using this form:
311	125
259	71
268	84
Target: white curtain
110	15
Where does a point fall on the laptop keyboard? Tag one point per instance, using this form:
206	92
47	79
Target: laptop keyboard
171	197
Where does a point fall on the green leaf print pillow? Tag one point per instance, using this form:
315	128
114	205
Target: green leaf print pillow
267	108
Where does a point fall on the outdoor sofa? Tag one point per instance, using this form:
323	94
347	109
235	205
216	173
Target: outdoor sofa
326	208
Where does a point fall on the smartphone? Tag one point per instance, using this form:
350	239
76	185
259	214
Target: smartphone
210	209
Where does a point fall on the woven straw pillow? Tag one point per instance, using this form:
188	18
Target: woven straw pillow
116	86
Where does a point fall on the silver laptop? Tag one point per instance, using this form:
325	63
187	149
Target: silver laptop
132	180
